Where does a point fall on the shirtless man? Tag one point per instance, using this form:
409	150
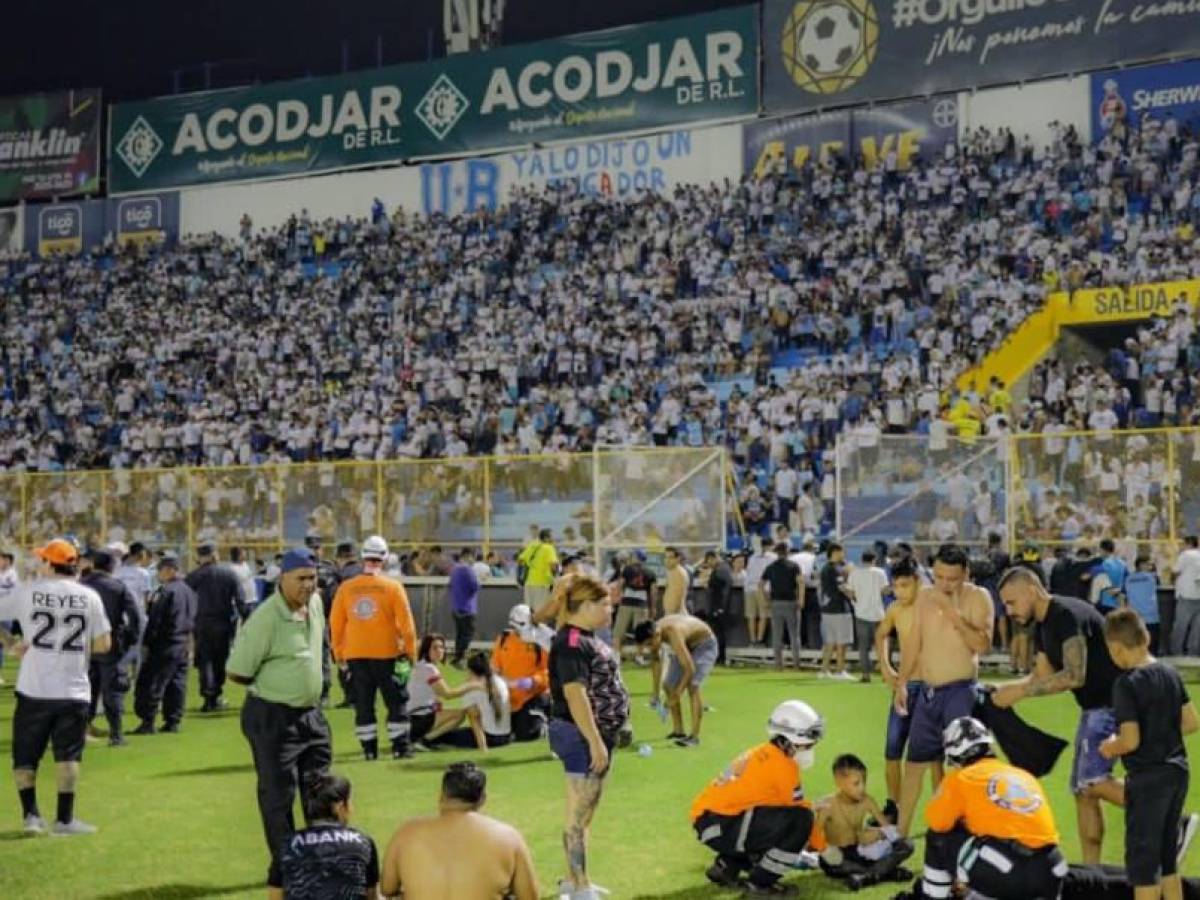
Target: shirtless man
952	625
425	858
693	653
906	581
674	599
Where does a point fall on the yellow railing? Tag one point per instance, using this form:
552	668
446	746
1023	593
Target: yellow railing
615	497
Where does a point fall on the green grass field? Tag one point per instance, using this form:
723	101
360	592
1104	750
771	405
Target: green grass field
178	819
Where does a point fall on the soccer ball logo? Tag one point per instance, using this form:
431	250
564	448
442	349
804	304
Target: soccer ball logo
828	45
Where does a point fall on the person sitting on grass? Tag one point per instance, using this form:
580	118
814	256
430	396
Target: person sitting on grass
427	690
328	858
754	815
860	851
459	852
693	654
487	707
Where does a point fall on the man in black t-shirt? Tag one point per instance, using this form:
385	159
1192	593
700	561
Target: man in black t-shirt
720	598
637	599
1153	713
1071	656
784	583
837	615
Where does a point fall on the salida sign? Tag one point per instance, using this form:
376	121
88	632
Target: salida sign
625	79
1142	301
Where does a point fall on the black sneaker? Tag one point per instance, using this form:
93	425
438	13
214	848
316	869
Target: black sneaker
775	889
1187	830
370	755
145	728
891	812
171	728
687	741
722	873
207	706
117	741
403	753
675	735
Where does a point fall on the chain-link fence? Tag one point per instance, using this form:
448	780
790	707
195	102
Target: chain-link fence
637	497
1062	488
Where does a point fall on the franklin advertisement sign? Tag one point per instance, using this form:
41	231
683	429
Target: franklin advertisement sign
823	53
624	79
49	145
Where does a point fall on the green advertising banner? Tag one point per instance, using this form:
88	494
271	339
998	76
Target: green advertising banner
49	145
624	79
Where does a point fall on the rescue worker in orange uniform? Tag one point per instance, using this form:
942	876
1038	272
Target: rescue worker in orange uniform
754	815
371	626
524	664
991	828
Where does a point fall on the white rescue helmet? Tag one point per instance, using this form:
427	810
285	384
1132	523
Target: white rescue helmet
797	723
520	617
374	547
965	740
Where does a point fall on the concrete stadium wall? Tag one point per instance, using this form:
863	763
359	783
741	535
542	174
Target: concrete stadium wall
1029	109
625	165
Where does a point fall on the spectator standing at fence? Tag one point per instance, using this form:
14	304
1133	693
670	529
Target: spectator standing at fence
720	598
837	619
463	592
8	583
539	560
783	584
868	584
674	598
1185	635
239	563
1141	593
757	607
221	602
638	594
277	655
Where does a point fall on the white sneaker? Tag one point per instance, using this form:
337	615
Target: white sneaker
567	891
67	829
822	674
1187	830
34	825
844	676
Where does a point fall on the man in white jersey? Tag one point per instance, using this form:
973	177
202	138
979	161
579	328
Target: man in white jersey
62	625
133	571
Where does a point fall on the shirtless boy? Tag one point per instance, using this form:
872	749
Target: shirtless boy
898	618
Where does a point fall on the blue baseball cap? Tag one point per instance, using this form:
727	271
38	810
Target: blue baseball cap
298	558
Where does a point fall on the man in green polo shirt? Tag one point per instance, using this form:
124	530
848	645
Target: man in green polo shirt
278	656
540	560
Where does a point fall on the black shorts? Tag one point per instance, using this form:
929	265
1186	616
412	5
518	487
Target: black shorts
420	724
37	722
1154	801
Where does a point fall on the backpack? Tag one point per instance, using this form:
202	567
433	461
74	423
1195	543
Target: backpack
523	568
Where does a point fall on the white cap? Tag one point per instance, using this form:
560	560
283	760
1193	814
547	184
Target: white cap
374	547
520	617
118	548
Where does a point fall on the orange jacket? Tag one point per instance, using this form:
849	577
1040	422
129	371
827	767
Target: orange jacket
513	658
371	619
762	776
993	799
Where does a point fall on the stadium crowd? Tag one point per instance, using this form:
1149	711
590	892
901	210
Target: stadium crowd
562	319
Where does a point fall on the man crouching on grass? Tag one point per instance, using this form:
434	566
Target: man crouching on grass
694	651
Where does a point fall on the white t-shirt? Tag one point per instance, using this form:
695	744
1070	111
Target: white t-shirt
493	723
136	579
1187	574
246	576
8	582
755	566
421	698
868	584
59	619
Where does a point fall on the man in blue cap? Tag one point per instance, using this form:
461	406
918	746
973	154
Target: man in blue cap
277	655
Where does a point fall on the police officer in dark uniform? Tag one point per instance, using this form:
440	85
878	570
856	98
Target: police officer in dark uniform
328	580
347	565
220	603
163	677
108	672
